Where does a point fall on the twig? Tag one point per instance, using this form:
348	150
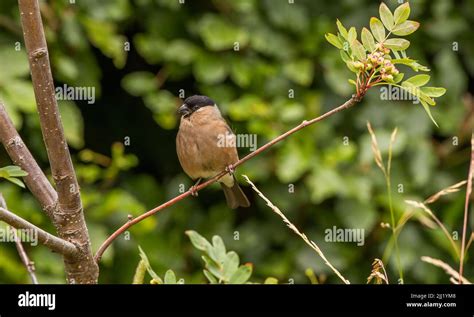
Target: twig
466	208
448	269
69	219
36	181
54	243
349	103
29	265
313	245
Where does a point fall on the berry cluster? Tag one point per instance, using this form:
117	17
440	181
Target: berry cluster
377	59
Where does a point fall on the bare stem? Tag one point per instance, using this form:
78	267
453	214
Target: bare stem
47	239
29	265
349	103
466	209
313	245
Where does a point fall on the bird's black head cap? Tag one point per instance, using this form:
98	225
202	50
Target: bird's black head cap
193	103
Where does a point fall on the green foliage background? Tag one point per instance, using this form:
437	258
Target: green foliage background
281	47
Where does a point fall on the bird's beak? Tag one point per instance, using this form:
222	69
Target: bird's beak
183	110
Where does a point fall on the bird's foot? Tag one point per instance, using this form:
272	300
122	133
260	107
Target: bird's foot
230	169
193	189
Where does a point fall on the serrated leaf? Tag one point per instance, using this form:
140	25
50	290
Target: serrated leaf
358	50
334	40
401	13
352	35
377	29
170	277
386	16
419	80
397	44
406	28
368	40
342	29
198	241
433	91
242	274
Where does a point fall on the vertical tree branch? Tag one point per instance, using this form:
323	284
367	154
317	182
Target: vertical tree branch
69	217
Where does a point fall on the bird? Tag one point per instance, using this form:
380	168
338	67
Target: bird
201	150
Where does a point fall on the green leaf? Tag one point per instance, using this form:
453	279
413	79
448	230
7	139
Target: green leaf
198	241
411	63
402	13
358	50
377	29
231	264
213	267
170	277
433	91
428	111
139	83
398	78
12	171
368	40
271	280
219	248
386	16
242	274
334	40
419	80
406	28
210	277
345	57
148	266
397	44
16	181
342	29
352	35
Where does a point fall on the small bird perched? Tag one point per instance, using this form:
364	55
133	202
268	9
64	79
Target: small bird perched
200	149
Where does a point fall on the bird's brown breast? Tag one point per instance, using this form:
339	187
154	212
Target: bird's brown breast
200	147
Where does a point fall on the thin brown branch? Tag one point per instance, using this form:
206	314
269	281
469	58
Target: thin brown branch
36	181
29	265
349	103
466	208
47	239
290	225
69	219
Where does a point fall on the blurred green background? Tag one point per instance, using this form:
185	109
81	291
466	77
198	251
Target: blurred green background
139	55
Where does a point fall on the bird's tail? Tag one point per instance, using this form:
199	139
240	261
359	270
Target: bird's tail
235	196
